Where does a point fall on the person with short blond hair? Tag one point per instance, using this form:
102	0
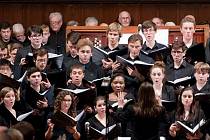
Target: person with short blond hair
114	27
113	37
187	28
202	85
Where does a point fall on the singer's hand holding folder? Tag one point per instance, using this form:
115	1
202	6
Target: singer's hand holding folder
102	54
86	96
194	129
62	119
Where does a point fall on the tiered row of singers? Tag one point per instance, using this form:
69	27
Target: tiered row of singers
142	90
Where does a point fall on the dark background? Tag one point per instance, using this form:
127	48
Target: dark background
104	1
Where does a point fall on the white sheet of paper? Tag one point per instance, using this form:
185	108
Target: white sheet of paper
124	138
161	36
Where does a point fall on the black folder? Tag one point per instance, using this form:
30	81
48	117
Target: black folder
111	130
85	96
184	81
195	54
9	82
169	105
190	129
158	54
102	54
62	119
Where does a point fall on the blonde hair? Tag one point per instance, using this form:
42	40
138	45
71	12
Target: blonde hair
188	19
201	67
84	42
5	90
115	27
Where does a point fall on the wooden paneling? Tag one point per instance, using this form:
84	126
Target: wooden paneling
28	13
99	33
104	1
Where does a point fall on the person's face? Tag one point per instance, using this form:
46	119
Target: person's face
177	55
55	23
157	21
113	37
46	35
12	54
201	77
9	99
35	79
118	84
100	107
124	19
149	34
187	98
66	103
134	48
187	30
157	75
20	36
41	62
36	39
6	34
85	54
77	75
3	53
6	70
72	48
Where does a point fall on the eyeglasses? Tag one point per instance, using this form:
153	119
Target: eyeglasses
55	22
149	30
36	36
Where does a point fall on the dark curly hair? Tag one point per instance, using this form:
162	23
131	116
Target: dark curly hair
60	97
